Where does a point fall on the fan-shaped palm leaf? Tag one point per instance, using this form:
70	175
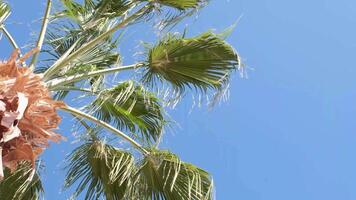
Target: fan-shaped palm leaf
79	25
101	170
163	176
203	62
93	11
133	108
72	36
113	8
169	8
83	45
102	56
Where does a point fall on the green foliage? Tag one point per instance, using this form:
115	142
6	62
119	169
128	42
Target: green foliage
4	12
93	11
174	11
202	63
132	108
102	56
101	170
114	8
163	176
18	185
82	45
182	4
85	23
105	171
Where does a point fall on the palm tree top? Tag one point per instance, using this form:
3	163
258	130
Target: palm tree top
80	41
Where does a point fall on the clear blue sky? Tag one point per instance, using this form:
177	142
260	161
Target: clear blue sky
288	132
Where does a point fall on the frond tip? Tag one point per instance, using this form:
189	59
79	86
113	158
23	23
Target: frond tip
4	12
204	63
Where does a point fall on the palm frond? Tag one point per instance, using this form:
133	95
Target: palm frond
173	11
203	63
182	4
4	12
131	107
90	44
163	176
114	8
92	12
79	24
21	184
100	170
72	10
102	56
63	37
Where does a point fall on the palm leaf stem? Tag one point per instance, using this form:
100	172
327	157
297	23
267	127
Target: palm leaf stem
55	68
73	88
86	126
11	40
81	114
42	34
9	37
52	84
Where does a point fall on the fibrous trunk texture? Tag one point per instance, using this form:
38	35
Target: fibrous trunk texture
27	115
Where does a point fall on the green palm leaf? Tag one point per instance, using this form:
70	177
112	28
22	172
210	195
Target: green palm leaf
203	62
182	4
19	185
101	57
82	45
61	39
93	11
176	10
4	12
114	8
163	176
101	170
78	24
74	33
132	108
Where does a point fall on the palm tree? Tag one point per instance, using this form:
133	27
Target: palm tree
80	43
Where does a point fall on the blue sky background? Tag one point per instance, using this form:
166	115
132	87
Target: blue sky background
288	131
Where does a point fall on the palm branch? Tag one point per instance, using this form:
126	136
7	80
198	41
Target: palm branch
131	107
81	43
162	175
202	63
101	170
